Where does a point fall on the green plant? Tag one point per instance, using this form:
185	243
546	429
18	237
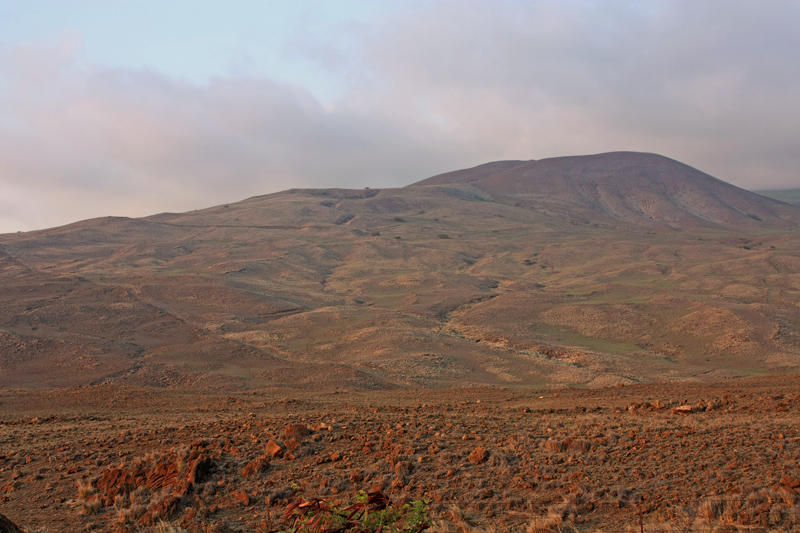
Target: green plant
370	512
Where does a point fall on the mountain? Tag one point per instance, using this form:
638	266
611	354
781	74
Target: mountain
585	270
630	186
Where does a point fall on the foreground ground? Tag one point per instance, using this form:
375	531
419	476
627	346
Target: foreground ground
670	457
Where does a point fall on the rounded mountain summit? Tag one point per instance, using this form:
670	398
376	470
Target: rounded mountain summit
633	187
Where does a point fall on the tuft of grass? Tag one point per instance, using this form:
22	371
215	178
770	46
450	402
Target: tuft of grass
85	489
165	527
91	505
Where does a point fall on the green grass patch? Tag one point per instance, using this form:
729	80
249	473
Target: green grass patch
568	337
369	512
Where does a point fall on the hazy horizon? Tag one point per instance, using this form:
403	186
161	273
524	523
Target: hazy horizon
135	109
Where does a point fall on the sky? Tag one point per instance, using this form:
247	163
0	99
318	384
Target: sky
130	108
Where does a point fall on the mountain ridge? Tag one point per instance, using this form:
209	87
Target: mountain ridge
631	186
433	284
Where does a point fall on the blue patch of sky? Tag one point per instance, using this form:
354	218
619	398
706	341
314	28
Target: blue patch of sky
308	43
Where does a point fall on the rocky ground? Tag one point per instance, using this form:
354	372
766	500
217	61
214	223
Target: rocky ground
668	457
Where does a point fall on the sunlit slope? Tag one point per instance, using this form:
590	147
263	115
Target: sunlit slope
449	281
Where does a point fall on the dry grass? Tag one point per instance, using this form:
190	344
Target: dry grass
760	508
456	520
87	497
557	460
165	527
85	489
91	505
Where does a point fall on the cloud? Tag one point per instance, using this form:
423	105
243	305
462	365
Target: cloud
713	83
85	142
434	87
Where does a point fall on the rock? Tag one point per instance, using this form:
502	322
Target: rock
274	449
241	497
116	481
256	466
402	469
376	499
183	488
790	482
478	455
291	444
199	469
162	510
683	410
163	474
296	431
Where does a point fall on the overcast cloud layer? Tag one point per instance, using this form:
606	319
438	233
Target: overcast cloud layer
434	87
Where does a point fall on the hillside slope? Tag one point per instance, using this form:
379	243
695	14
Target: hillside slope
513	273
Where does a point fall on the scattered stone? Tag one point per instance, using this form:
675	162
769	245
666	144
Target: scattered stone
256	466
790	482
164	509
478	455
402	469
274	449
241	497
296	431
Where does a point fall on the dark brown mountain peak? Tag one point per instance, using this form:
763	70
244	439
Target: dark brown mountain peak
631	186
